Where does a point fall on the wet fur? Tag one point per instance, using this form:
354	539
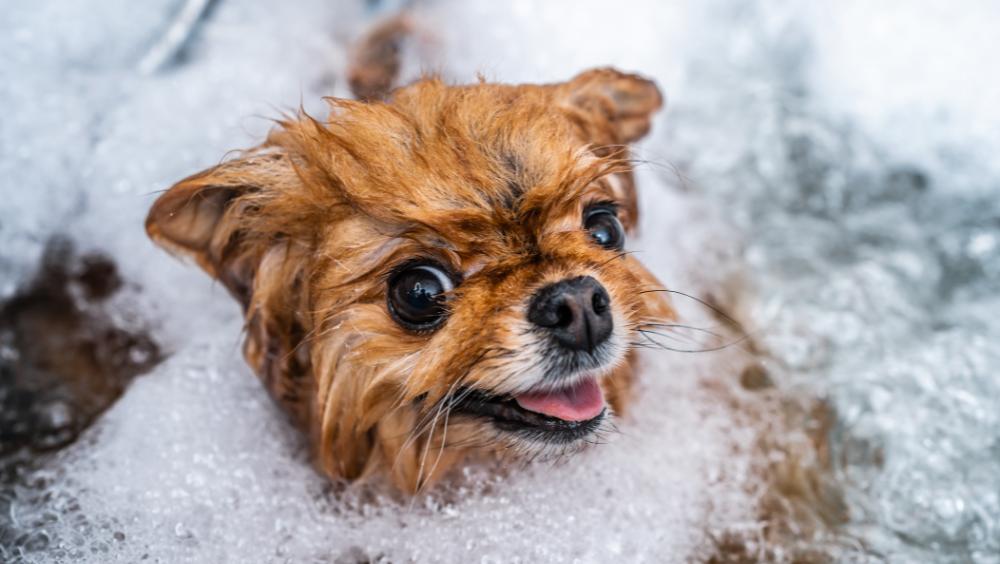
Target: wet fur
491	181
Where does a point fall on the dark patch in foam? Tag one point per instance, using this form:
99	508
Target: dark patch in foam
63	358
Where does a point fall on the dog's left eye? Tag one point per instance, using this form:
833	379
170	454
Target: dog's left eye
604	227
416	296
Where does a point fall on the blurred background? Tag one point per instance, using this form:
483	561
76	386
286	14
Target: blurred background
825	171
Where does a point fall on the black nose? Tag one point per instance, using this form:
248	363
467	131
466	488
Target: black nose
576	311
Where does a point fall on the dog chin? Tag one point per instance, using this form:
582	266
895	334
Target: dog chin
553	418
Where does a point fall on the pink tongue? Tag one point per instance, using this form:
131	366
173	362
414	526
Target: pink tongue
580	402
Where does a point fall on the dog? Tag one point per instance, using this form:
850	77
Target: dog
438	276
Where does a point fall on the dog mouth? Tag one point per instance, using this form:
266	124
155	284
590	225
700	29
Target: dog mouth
559	415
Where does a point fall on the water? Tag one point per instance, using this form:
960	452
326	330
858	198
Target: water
825	173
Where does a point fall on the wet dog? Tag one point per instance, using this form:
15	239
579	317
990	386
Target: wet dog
438	275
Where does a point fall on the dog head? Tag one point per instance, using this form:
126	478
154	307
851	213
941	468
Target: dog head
437	274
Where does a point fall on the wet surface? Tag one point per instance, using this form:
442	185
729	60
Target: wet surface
63	358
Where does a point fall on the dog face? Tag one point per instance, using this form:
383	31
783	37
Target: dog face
437	275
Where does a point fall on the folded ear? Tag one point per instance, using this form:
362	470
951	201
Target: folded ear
616	107
212	217
611	109
199	218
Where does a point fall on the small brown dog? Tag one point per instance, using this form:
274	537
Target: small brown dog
437	275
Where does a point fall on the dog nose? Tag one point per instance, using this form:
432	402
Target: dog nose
576	311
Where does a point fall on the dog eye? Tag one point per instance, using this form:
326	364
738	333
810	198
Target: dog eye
604	228
416	296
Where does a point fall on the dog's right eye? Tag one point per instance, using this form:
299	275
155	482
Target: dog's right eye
416	296
604	227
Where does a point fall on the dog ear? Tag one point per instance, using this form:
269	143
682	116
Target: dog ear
611	109
198	218
614	107
207	217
